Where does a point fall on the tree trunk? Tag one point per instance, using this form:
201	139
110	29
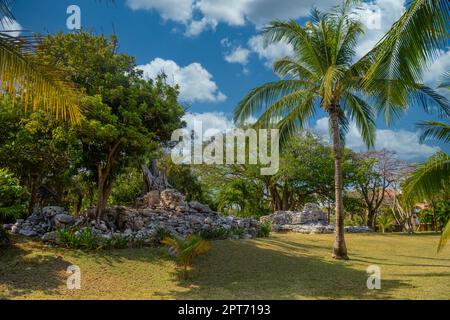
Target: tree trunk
104	181
371	218
340	248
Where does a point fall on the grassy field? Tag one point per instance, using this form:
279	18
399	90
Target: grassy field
285	266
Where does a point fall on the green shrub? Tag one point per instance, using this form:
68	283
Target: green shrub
266	229
215	234
12	197
118	242
385	222
85	239
236	231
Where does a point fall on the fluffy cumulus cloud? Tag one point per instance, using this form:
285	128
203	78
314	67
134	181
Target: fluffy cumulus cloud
404	143
270	53
176	10
211	122
238	55
433	76
208	13
196	83
10	27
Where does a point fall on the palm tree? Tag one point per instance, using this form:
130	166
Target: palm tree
322	75
24	79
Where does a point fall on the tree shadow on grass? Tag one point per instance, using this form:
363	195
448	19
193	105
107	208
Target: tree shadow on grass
267	269
25	268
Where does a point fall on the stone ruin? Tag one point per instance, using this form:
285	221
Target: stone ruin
311	220
167	209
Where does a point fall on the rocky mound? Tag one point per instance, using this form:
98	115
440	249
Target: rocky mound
311	220
157	210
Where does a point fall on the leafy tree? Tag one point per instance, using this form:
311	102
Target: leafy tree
36	147
376	174
12	197
126	118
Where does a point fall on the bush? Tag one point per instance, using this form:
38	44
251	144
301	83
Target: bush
385	222
266	229
239	232
85	239
12	197
214	234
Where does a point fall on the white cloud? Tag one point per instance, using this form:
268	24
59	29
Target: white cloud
196	84
238	55
377	17
433	76
176	10
231	12
210	121
196	27
404	143
271	52
10	27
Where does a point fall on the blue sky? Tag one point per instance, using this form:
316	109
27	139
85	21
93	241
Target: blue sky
212	49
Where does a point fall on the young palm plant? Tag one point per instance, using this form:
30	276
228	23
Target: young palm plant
24	79
187	250
323	75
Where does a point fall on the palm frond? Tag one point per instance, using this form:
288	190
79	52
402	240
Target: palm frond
264	96
35	85
444	237
429	179
362	113
5	8
415	39
434	130
294	34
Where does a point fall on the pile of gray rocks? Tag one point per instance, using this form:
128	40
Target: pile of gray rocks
311	220
166	210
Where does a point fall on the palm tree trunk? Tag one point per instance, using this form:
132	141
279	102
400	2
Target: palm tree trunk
339	248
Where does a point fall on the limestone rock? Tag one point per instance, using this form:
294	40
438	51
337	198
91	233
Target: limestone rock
50	236
63	220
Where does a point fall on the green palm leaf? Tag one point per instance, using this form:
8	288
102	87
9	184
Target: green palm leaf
429	179
434	130
35	85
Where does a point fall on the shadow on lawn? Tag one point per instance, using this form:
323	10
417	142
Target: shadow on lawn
22	271
270	269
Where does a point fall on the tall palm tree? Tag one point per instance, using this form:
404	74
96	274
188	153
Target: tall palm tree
322	74
24	78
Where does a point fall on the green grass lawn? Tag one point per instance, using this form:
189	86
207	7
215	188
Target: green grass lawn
285	266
